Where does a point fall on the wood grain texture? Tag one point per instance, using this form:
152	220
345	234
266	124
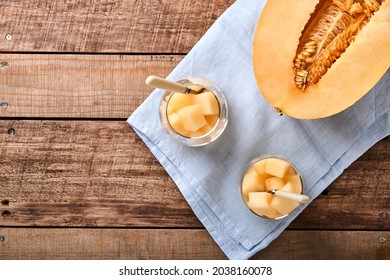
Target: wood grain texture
136	26
100	174
77	86
157	244
84	173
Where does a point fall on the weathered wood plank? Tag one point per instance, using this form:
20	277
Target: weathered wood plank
360	196
99	173
81	173
116	244
137	26
77	86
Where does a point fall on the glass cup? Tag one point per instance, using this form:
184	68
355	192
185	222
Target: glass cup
190	126
265	174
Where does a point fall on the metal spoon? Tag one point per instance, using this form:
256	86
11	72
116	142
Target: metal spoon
161	83
301	198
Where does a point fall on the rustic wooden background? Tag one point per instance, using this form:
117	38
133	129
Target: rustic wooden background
77	183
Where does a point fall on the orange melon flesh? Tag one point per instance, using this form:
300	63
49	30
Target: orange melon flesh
276	167
208	103
282	205
256	182
274	183
178	101
177	124
260	203
358	69
192	115
252	182
294	184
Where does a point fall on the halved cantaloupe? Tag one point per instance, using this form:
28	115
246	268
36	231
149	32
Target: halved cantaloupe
313	59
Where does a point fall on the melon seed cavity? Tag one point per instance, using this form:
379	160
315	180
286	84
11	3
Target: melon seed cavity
328	33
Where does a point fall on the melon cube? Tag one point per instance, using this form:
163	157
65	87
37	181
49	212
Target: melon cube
177	125
291	171
207	102
260	166
259	202
178	101
165	109
201	131
276	167
295	182
252	182
192	118
212	119
170	109
288	187
273	183
283	205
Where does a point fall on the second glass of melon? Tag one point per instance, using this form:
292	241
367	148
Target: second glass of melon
194	119
265	174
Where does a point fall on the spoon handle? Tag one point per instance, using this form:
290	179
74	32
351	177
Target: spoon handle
158	82
301	198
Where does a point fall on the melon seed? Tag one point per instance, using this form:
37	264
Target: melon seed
336	24
309	59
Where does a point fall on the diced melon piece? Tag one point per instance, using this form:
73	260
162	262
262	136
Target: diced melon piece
179	100
260	166
276	167
205	129
165	109
291	188
252	182
295	182
283	205
177	125
192	117
208	103
196	87
168	109
212	119
267	212
263	177
259	202
291	171
201	131
273	183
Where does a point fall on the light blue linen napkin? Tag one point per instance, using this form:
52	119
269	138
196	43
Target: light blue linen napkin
209	176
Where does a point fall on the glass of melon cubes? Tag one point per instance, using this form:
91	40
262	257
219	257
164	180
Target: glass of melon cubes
265	174
194	119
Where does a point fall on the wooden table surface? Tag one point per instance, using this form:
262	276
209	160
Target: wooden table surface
76	182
